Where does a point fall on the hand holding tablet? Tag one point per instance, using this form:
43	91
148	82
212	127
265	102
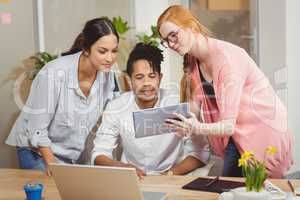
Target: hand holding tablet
185	126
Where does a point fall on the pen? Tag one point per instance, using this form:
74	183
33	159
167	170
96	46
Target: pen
212	181
291	186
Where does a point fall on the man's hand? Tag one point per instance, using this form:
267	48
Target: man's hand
170	172
106	161
139	172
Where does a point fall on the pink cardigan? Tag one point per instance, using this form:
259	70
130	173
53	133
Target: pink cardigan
245	94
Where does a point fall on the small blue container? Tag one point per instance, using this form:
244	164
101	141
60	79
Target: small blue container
33	191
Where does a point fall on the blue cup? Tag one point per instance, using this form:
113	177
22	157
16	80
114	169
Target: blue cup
33	191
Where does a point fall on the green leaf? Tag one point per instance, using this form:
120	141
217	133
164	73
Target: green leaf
145	39
45	56
120	25
155	33
42	58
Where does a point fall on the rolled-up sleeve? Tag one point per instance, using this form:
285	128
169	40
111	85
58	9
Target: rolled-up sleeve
198	147
40	109
107	136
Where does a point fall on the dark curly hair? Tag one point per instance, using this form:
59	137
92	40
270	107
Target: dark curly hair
145	52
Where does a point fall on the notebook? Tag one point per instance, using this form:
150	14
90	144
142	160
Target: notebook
218	186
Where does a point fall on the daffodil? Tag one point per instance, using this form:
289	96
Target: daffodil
242	162
247	155
271	150
254	171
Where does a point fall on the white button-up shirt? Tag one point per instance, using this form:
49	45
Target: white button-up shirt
57	114
153	154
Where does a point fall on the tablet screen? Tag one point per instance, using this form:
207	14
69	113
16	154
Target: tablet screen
150	122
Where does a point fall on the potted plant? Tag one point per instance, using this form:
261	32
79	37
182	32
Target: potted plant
124	44
149	39
255	174
24	74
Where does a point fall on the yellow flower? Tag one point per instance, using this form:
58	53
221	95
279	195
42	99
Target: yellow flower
242	162
271	150
246	155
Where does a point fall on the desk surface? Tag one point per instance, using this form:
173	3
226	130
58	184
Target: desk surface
13	180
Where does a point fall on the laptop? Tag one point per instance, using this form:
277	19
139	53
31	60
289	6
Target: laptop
150	122
77	182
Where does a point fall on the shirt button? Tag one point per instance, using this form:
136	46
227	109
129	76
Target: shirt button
84	101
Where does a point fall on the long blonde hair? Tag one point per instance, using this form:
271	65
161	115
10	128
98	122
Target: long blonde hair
182	17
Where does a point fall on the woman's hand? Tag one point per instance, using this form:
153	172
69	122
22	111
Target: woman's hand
185	127
48	171
48	158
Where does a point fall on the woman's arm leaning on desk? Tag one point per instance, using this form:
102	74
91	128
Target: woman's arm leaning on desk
48	157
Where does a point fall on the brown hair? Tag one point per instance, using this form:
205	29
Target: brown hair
92	31
182	17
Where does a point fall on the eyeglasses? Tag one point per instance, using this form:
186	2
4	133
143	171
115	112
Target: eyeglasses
171	37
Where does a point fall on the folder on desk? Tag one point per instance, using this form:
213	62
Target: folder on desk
218	186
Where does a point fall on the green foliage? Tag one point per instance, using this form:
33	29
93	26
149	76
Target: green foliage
155	33
120	25
254	171
149	39
40	60
255	175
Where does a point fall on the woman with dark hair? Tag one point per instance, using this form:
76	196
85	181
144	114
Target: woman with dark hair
66	99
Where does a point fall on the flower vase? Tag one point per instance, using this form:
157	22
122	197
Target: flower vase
242	194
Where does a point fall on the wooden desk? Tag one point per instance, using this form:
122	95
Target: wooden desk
13	180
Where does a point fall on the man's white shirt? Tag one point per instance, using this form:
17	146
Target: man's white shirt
154	154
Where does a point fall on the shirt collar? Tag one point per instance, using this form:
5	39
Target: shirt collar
73	75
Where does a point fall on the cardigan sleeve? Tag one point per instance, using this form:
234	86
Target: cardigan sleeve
231	81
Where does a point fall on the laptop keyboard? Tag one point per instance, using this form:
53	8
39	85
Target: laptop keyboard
154	195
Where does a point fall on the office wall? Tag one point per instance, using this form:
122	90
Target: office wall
17	41
230	26
64	20
293	69
279	57
272	38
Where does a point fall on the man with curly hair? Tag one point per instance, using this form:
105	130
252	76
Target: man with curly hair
160	154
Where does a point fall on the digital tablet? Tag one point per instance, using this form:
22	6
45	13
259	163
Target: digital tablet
150	122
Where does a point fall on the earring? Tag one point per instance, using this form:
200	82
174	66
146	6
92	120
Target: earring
85	53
